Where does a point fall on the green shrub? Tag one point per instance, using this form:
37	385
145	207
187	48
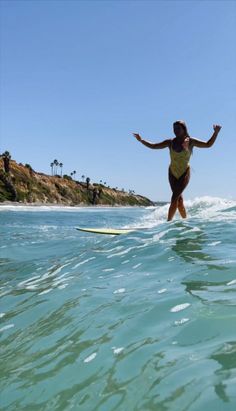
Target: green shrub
67	177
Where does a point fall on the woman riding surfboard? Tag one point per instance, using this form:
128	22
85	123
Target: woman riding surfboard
179	170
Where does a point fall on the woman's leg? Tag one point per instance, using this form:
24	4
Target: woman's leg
172	208
178	185
181	207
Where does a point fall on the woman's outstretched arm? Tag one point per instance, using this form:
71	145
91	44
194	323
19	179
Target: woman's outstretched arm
163	144
210	142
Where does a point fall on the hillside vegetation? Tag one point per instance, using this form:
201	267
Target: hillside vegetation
22	184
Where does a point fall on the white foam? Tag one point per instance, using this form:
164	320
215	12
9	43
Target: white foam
90	357
214	243
211	207
7	327
55	208
182	321
46	291
232	282
62	280
162	291
107	270
28	281
61	287
156	217
126	251
83	262
119	291
179	307
31	287
137	265
204	207
117	350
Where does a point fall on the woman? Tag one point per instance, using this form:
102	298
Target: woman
179	170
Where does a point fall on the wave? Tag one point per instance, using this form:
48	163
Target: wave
212	207
204	208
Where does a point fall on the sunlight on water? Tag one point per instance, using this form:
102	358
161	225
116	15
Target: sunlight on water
143	321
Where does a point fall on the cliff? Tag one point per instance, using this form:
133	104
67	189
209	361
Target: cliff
23	184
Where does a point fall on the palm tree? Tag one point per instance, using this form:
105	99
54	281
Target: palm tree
87	182
51	165
6	161
83	177
73	173
61	165
56	164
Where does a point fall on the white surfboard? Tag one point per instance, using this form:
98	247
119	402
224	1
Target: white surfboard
109	231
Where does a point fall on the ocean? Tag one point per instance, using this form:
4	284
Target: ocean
138	322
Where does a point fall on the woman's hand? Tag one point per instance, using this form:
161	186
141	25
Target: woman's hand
216	128
137	136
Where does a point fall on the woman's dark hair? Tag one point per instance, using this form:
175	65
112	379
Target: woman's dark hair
183	125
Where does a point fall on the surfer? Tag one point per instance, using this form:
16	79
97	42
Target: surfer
181	148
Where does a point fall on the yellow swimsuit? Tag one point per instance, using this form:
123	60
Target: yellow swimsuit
179	162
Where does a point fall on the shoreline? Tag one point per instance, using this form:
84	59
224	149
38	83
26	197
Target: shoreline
53	205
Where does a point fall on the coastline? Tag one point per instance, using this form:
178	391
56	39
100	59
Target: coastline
21	185
53	205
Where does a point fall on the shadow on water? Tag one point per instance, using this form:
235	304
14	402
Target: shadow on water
190	247
226	358
204	269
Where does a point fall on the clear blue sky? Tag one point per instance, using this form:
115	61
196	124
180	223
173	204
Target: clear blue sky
78	77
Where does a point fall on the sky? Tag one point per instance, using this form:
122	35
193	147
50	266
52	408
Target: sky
77	78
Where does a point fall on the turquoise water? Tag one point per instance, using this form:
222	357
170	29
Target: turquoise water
139	322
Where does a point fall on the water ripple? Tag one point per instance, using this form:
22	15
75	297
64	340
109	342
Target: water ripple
140	322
